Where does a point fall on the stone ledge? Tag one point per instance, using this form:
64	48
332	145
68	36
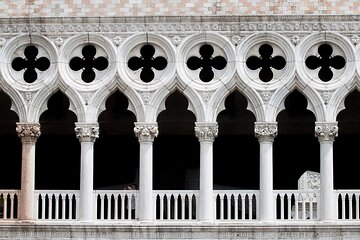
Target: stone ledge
321	231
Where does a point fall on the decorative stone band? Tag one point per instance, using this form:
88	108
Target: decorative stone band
265	131
146	132
206	131
87	132
326	131
28	132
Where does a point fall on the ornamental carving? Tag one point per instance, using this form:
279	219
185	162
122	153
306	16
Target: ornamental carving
28	132
206	131
87	132
326	131
146	132
265	132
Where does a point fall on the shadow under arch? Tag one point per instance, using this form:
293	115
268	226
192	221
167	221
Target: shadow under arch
10	161
236	150
296	149
57	149
176	149
116	151
346	145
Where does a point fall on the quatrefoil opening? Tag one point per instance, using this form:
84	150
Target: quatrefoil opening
206	62
325	61
88	63
266	62
146	62
30	63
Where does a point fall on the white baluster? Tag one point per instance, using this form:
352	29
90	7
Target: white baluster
289	206
243	198
296	207
108	207
357	206
236	206
70	206
11	206
50	215
343	206
123	207
183	207
311	208
5	207
168	199
282	206
350	206
221	207
43	199
190	207
63	207
161	203
129	206
176	208
57	207
116	208
228	210
102	211
250	208
303	207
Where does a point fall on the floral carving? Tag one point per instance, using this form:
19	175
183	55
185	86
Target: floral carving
265	131
28	132
326	131
86	132
206	131
146	132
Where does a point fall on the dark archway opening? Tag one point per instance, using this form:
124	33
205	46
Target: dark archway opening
296	149
57	149
236	150
346	145
10	177
176	149
116	151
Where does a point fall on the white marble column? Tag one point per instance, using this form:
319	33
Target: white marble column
28	132
146	133
266	132
326	133
87	134
206	133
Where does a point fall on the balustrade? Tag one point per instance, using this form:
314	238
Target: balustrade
237	205
296	204
176	205
348	204
57	205
9	201
116	204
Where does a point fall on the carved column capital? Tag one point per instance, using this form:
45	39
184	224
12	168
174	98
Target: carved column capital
206	131
146	132
265	131
326	131
28	132
87	132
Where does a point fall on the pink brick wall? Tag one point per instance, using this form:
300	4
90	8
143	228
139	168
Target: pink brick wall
111	8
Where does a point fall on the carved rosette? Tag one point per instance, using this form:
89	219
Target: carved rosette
326	131
206	131
265	131
28	132
87	132
146	132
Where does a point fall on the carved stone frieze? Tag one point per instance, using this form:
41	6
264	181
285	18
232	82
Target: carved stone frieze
28	132
326	131
266	131
87	132
146	132
206	131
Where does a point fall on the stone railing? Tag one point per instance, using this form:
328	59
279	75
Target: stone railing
9	204
348	202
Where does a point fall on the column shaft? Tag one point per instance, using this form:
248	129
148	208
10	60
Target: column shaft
206	133
146	133
28	132
87	134
266	132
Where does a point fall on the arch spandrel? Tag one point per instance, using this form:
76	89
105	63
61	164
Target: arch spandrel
17	103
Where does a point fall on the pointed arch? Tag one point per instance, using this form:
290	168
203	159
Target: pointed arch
136	104
39	103
217	102
315	102
18	104
196	105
